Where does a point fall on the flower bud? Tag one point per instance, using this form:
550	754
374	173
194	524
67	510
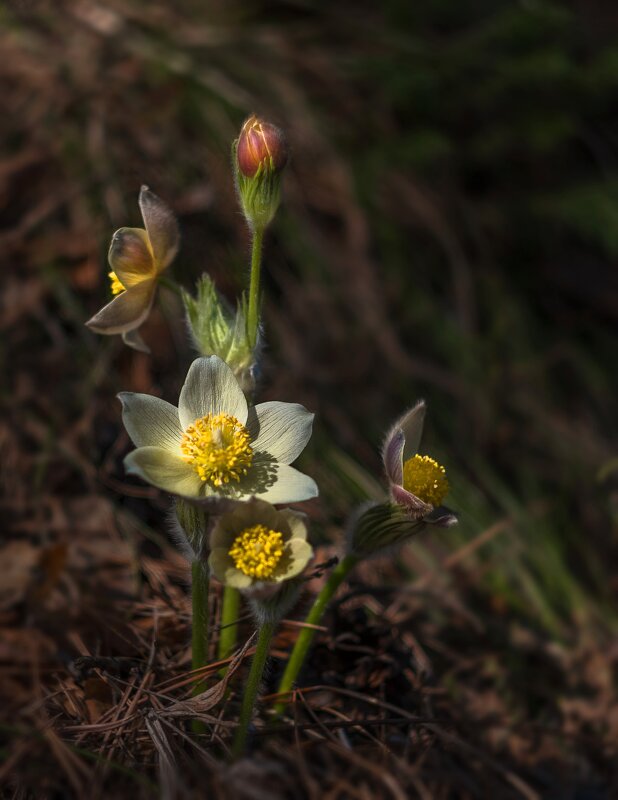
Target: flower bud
376	527
259	155
217	330
261	144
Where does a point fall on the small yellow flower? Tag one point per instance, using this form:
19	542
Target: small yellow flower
137	257
255	546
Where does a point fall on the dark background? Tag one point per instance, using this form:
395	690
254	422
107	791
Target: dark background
449	230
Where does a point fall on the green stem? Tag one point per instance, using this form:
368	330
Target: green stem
306	636
253	312
199	637
252	686
229	622
170	284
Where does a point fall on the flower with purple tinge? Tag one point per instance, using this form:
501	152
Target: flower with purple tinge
416	482
137	257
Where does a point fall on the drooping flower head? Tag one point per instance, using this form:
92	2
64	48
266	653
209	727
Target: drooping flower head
416	482
137	257
257	547
213	447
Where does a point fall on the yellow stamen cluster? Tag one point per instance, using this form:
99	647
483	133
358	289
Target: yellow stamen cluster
116	286
217	447
425	478
257	551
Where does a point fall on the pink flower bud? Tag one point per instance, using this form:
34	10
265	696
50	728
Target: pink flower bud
261	144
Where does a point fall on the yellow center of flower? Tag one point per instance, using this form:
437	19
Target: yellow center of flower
116	286
217	447
257	551
425	478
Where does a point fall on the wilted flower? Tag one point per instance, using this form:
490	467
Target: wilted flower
257	547
217	330
213	446
137	257
417	483
259	156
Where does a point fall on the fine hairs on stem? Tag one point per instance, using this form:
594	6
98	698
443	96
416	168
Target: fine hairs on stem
253	312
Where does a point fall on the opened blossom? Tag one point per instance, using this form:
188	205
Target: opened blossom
255	544
137	257
417	482
213	446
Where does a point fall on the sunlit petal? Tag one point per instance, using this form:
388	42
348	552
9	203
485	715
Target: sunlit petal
210	388
151	422
164	470
281	429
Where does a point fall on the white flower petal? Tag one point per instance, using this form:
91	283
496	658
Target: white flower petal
297	522
288	486
151	422
163	470
297	555
281	429
222	566
210	388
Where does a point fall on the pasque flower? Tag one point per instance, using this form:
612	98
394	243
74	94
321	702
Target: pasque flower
137	257
256	546
213	446
416	482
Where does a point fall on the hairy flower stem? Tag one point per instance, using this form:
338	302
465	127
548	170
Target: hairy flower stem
253	312
199	596
170	284
252	686
229	623
306	636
